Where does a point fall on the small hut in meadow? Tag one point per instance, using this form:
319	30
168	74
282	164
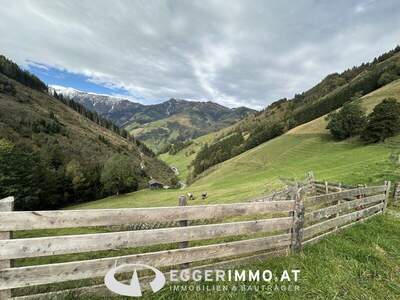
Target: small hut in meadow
154	184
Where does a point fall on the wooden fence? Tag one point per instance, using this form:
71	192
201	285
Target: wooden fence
275	228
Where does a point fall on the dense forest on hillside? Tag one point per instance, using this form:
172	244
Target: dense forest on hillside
54	153
331	93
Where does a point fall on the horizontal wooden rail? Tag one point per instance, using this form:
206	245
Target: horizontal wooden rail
100	290
335	184
315	229
343	207
45	246
13	221
332	197
42	274
336	229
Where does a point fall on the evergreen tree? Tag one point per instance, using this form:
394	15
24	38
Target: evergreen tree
19	170
383	122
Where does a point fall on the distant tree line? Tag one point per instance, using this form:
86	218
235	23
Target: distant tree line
174	148
372	79
330	94
210	155
13	71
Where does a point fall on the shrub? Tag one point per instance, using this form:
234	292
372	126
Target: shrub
348	121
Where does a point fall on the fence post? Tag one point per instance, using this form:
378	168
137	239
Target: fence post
183	223
326	187
310	182
396	193
387	193
338	203
298	222
6	204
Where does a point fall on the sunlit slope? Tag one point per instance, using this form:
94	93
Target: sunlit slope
310	147
307	147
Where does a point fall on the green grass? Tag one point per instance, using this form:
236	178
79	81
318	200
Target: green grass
259	170
183	158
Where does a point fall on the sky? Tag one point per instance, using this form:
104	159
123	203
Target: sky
236	53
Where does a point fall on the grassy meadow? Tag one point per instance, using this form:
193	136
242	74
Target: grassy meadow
260	170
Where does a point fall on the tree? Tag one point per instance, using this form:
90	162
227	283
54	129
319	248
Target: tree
118	175
387	78
347	122
383	122
19	175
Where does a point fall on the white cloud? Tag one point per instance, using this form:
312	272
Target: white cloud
232	52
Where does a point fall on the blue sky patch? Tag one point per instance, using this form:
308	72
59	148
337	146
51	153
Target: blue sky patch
54	76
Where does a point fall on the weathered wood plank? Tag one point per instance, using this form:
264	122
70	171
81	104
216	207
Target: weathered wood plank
335	184
6	204
341	208
336	229
315	229
101	290
51	273
44	246
106	217
330	188
333	197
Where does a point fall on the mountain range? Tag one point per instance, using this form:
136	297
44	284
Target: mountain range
159	125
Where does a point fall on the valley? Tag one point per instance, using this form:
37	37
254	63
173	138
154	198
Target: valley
258	171
159	125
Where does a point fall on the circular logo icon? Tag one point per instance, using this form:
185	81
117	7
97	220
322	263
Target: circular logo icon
133	289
